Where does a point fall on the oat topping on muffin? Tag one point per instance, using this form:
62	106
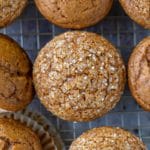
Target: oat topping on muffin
79	76
138	10
107	138
10	9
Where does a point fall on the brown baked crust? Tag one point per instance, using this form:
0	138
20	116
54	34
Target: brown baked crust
139	73
10	10
138	10
75	14
103	138
16	136
16	88
79	76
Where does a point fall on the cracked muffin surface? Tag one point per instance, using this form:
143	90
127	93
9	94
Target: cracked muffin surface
79	76
16	136
74	13
16	88
107	138
10	9
139	73
138	10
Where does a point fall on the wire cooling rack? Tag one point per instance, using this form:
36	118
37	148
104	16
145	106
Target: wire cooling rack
32	31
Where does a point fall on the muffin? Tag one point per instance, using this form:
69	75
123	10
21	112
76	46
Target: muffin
79	76
16	88
107	138
43	128
138	10
10	10
16	136
74	14
139	73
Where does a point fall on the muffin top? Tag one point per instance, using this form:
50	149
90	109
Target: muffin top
74	13
107	138
16	136
79	76
16	89
138	10
139	73
10	9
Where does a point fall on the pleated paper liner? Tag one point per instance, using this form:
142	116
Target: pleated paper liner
48	135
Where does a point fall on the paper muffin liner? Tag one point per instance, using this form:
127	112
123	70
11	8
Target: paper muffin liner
50	139
3	110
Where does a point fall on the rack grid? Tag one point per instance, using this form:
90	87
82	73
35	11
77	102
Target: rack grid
32	31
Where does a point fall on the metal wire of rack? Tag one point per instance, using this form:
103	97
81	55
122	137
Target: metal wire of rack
32	31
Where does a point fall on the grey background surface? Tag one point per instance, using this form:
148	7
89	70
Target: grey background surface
32	31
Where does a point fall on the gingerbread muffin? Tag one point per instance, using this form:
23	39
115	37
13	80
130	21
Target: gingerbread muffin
10	10
16	136
139	73
16	88
109	138
138	10
74	14
79	76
